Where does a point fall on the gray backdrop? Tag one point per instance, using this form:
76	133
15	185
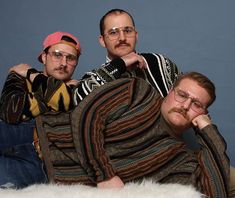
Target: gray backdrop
197	35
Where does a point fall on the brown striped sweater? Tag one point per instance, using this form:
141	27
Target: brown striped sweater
118	130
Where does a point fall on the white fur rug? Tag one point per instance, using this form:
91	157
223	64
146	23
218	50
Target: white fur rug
146	189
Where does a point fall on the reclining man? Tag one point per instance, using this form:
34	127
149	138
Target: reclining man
125	131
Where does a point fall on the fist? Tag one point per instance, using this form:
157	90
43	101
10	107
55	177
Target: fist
202	121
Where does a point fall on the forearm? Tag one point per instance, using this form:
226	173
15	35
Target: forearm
213	160
13	97
98	77
91	122
106	128
18	103
161	72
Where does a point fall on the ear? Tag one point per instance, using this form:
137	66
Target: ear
136	35
101	41
43	58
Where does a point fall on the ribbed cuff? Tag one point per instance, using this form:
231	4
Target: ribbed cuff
116	67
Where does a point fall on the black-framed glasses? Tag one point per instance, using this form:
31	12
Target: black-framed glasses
182	96
114	33
58	56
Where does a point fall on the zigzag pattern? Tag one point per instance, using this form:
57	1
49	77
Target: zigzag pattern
87	87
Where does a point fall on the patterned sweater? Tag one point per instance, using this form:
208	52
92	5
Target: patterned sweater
118	130
22	100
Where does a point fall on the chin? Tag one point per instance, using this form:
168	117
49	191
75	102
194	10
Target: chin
122	51
178	121
61	77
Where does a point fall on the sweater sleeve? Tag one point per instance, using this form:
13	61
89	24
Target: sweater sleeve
117	101
22	100
97	77
13	97
161	72
214	162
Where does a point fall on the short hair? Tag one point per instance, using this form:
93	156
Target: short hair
113	11
202	81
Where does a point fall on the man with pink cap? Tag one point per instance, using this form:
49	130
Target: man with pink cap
20	165
59	56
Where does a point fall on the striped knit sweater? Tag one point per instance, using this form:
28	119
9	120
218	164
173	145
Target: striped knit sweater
22	100
118	130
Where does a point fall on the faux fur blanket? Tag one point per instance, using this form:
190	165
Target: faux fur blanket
146	189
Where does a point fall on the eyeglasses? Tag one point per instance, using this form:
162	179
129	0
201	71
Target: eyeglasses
114	33
58	56
182	96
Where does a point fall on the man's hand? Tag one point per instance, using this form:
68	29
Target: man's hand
72	82
20	69
114	182
134	60
202	121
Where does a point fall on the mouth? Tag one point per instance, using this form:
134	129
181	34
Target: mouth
60	70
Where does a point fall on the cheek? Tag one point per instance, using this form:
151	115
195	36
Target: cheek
133	41
166	106
49	67
71	69
192	114
169	102
109	44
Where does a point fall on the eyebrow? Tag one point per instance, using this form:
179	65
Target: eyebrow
193	98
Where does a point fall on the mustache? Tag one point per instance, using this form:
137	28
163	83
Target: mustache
122	43
61	68
182	111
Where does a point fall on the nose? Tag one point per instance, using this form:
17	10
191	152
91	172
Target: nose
187	104
122	36
64	60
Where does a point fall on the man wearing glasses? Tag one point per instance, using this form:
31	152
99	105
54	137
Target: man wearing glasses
119	36
138	134
59	56
19	163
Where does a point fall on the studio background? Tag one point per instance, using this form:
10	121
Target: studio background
196	35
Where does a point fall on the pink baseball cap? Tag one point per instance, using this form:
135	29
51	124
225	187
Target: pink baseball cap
56	38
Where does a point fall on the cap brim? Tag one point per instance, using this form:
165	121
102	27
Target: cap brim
40	58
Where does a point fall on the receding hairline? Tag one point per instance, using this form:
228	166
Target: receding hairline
115	12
